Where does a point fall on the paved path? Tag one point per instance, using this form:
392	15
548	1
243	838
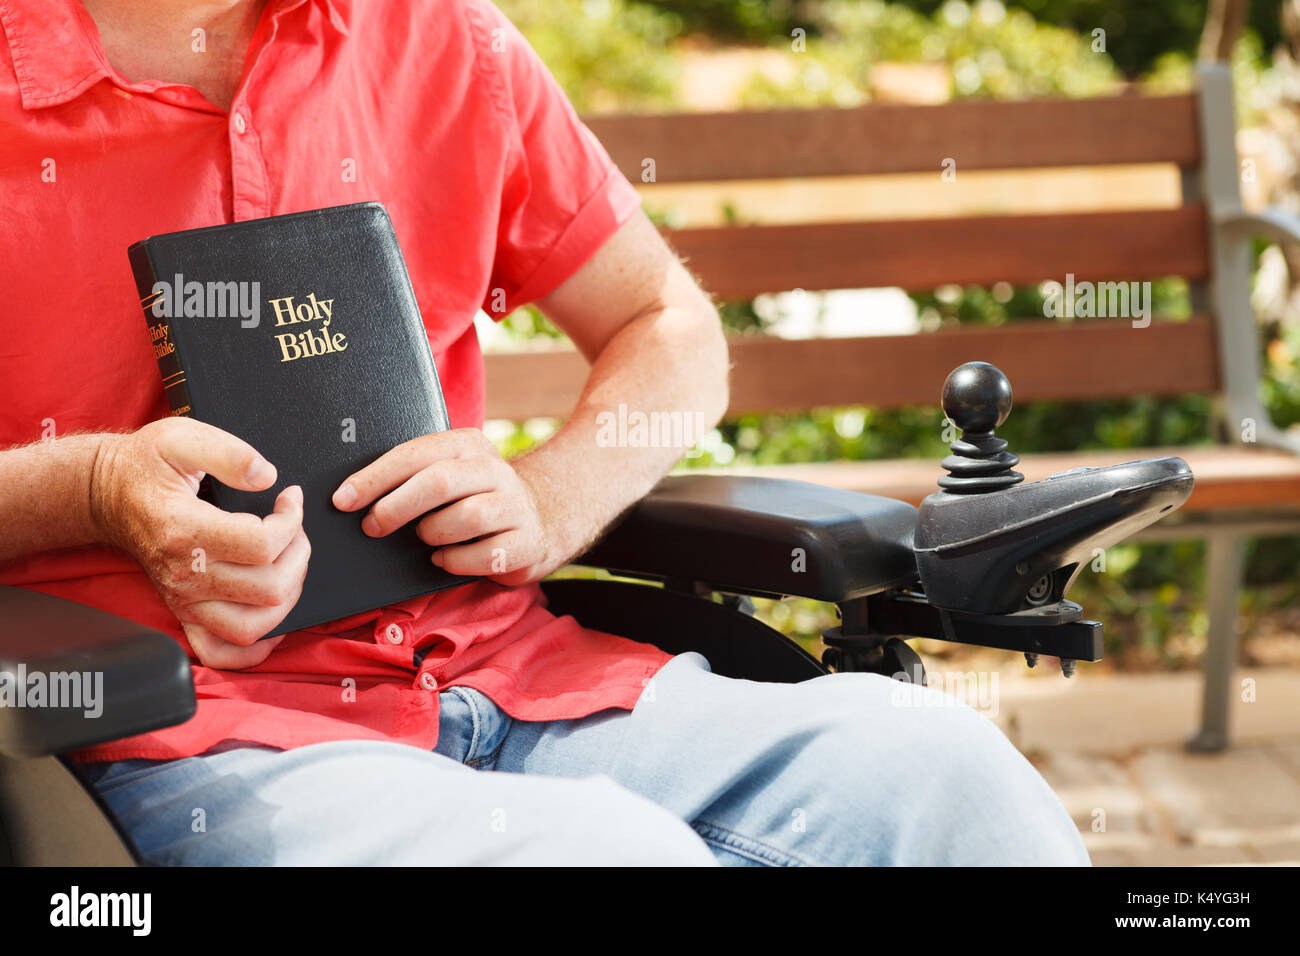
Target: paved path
1111	747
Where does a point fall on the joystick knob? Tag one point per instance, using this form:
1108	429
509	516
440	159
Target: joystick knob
977	399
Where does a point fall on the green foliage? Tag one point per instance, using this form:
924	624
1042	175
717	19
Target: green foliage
953	304
1281	385
989	52
528	324
993	51
1138	32
1172	72
606	54
746	20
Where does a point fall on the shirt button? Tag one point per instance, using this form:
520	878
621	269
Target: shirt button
428	682
240	124
394	634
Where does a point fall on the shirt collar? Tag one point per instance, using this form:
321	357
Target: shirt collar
56	54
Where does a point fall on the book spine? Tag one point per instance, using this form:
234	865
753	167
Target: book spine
175	386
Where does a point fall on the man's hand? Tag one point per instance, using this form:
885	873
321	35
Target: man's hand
228	578
474	509
654	342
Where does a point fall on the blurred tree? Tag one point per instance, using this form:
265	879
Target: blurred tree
606	54
749	20
1137	31
1223	25
988	50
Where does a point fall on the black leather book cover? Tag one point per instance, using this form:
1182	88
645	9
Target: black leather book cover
301	335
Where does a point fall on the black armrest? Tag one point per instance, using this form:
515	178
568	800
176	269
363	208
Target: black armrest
110	677
742	534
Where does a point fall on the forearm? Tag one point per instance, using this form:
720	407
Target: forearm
669	362
45	494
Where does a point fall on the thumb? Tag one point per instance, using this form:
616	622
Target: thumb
199	447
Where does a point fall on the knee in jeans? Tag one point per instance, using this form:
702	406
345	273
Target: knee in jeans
869	725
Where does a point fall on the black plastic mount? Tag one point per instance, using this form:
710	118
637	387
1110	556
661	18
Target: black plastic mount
1057	629
873	654
869	637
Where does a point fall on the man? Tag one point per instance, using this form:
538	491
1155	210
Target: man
369	740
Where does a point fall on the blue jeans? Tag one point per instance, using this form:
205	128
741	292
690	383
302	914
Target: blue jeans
705	769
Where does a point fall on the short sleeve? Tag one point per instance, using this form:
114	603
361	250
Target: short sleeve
562	196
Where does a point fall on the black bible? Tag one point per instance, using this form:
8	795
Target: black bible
301	335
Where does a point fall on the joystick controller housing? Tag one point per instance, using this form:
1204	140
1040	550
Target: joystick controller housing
990	543
995	554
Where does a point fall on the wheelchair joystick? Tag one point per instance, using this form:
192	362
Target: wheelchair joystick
977	399
995	554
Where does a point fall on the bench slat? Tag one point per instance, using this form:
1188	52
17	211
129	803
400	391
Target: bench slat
738	262
880	139
1226	476
1104	358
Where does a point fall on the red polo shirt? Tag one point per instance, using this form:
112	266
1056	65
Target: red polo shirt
441	111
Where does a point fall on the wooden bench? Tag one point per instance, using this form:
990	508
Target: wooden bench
1243	487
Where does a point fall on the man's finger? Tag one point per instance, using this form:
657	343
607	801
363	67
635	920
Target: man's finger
212	651
200	447
497	556
282	525
241	538
467	519
397	465
453	480
240	624
264	585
